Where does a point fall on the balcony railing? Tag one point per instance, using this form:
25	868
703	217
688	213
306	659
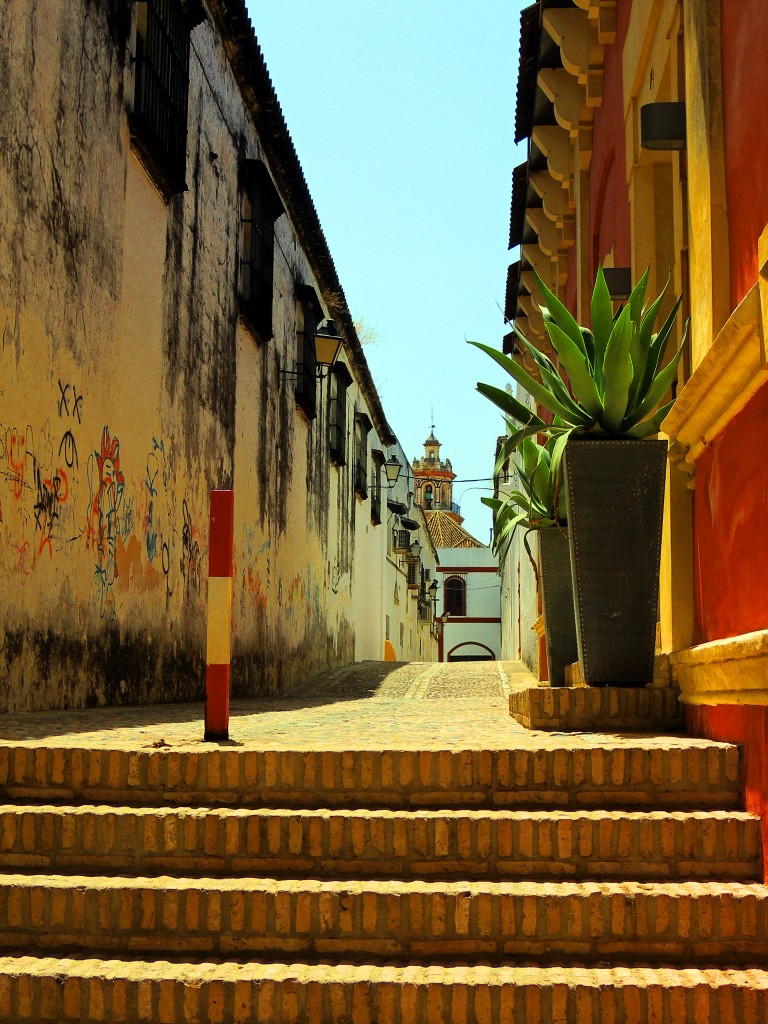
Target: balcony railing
443	506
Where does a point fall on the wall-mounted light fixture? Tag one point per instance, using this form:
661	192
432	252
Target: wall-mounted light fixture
327	344
415	549
619	281
327	341
662	126
392	468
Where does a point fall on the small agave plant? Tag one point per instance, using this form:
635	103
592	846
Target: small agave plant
540	505
614	381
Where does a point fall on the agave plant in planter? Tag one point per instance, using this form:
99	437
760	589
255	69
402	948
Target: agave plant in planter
616	378
540	507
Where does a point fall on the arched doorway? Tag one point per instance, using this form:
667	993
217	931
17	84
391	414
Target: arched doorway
470	650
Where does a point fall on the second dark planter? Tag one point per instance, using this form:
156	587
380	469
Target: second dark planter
615	501
557	598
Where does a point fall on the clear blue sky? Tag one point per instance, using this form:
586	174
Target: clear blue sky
402	115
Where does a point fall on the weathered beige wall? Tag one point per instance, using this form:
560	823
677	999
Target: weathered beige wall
128	390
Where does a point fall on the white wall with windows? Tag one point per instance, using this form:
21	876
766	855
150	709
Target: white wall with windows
469	601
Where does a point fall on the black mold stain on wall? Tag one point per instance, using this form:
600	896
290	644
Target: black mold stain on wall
103	670
63	236
200	313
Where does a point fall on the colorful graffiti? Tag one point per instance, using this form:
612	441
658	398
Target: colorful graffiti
136	535
40	491
106	484
190	563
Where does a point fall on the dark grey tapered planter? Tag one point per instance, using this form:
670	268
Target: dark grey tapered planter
615	502
557	598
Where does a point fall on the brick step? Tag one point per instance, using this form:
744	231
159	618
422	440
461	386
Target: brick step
598	709
587	922
561	771
53	991
383	843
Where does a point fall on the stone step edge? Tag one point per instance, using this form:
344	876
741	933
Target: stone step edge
659	773
567	844
537	888
513	814
47	990
553	921
597	709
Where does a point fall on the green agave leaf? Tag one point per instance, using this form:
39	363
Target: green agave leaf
507	532
539	479
637	297
505	454
508	405
602	324
618	372
493	503
651	426
529	432
638	357
636	393
578	369
659	387
556	493
534	499
529	451
540	392
656	352
560	315
589	344
551	376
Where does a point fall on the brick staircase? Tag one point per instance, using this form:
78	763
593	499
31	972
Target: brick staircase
571	880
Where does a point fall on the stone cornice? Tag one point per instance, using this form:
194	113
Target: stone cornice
721	385
730	671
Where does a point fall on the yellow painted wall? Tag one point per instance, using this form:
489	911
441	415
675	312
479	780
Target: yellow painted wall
128	390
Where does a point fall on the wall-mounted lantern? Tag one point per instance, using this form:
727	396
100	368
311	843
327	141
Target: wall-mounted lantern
662	126
327	341
415	549
619	281
327	344
392	469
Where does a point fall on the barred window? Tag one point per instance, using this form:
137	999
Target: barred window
377	461
260	207
158	122
362	426
455	596
339	381
310	314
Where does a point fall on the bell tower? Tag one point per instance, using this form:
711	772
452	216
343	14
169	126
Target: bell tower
433	480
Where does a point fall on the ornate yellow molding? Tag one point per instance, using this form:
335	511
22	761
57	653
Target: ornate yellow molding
602	13
552	194
542	264
562	90
721	385
554	143
731	671
580	49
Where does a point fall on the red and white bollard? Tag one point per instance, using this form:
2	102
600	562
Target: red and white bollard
219	642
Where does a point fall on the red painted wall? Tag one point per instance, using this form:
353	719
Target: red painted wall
747	726
731	527
745	87
608	192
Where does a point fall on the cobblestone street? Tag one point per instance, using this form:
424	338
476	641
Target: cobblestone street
369	704
366	706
